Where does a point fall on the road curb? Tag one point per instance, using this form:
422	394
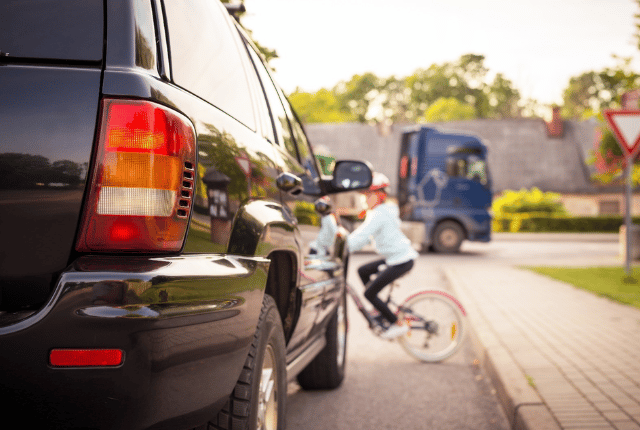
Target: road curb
557	237
520	401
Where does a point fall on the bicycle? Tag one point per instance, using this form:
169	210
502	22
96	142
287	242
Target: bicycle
437	322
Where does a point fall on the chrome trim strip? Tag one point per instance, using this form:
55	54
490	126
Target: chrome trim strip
307	356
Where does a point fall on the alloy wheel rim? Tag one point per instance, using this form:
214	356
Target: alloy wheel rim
342	335
268	390
448	237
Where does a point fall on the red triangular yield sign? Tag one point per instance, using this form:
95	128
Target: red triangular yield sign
626	126
245	164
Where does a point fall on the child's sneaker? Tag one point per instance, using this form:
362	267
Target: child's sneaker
381	322
395	331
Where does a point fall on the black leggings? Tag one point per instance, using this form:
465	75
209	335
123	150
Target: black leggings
384	278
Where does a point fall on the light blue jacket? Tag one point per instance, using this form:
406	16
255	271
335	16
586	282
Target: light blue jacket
382	224
326	235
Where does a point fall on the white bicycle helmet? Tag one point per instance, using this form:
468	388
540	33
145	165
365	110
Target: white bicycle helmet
380	182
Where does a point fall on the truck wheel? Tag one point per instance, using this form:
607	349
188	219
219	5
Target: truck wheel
447	237
258	399
327	370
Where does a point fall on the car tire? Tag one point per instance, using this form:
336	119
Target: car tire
447	237
259	397
327	370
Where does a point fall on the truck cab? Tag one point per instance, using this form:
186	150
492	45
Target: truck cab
444	188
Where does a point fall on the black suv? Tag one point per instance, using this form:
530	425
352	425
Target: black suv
156	215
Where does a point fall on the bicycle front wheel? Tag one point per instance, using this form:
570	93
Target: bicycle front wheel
437	325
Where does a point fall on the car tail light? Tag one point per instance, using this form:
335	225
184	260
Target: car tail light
142	187
85	357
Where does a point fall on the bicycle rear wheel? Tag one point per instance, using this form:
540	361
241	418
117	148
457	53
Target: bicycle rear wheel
437	325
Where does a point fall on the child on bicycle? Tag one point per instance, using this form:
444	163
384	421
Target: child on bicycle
382	224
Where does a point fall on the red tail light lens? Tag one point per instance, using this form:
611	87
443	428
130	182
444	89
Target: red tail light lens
142	187
85	357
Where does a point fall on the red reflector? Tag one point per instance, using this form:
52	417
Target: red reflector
85	357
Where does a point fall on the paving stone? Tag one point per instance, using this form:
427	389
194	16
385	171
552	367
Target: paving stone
616	416
587	374
626	425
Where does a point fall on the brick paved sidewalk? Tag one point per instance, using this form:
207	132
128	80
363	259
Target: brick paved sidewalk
561	358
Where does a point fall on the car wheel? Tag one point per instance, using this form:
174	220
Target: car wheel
447	237
327	370
258	399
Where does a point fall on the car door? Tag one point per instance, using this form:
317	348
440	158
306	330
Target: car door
295	158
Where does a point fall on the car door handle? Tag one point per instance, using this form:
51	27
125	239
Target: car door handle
290	183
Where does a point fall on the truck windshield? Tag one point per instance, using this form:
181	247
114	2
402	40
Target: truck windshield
470	167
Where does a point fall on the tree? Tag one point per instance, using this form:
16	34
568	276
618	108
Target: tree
448	109
462	80
503	98
368	97
593	91
320	107
356	95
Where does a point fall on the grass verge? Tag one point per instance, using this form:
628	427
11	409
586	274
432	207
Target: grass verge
611	282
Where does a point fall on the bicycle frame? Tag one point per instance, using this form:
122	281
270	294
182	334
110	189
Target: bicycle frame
409	313
361	308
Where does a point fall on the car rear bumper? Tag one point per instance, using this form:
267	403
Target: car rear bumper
184	324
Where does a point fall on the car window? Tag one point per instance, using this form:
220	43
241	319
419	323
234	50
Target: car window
206	58
279	115
269	130
64	30
305	155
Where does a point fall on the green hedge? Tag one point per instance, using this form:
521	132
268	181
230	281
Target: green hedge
534	222
306	213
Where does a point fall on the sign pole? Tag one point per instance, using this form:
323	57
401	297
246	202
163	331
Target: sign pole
627	221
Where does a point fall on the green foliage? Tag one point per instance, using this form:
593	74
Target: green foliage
527	201
503	98
462	79
306	213
609	160
544	222
356	95
594	91
448	109
368	97
323	106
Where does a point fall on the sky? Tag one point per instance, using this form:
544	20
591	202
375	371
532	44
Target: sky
537	44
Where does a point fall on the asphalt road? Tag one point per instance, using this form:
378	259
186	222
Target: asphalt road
387	389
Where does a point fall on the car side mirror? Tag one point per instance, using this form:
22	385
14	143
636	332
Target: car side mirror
351	175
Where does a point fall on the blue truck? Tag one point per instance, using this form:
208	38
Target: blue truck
444	188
